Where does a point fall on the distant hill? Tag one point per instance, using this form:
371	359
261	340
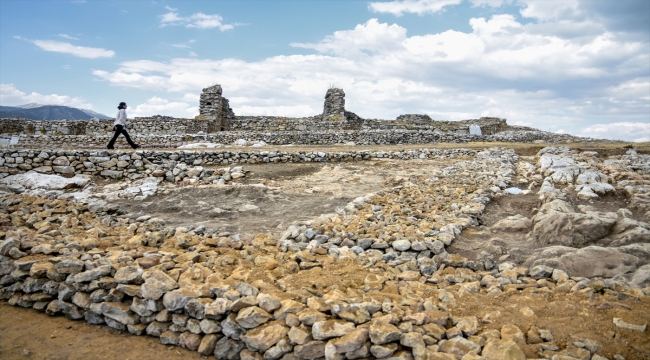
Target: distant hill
48	112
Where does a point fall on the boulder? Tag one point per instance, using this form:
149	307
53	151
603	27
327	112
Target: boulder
588	262
516	223
35	180
262	338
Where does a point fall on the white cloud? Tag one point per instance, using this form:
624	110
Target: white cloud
491	3
193	54
67	48
65	36
550	10
197	20
629	131
11	96
371	37
160	106
419	7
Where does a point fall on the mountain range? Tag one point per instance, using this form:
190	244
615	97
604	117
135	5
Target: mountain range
48	112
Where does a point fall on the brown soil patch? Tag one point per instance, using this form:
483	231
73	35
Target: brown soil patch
30	334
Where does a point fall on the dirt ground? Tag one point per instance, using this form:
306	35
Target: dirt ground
302	191
30	334
273	196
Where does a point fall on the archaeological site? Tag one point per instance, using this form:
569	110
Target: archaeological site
325	237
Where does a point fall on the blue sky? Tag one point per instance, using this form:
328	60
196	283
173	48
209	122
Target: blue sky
575	66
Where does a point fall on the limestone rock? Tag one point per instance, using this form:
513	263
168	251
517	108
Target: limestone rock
322	330
502	350
262	338
384	333
252	317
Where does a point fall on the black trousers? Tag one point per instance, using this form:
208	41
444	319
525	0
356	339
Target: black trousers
119	129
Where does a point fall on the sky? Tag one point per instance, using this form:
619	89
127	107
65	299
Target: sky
570	66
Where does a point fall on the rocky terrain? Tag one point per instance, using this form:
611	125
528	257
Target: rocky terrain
450	254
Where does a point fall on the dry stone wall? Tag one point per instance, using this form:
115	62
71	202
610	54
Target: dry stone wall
165	125
134	165
358	137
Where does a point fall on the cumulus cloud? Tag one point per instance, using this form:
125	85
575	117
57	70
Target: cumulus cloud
531	74
198	20
11	96
67	48
369	38
419	7
160	106
630	131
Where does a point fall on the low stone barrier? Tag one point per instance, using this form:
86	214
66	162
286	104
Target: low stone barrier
358	137
172	164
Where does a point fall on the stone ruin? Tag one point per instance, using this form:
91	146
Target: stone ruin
215	109
218	124
334	107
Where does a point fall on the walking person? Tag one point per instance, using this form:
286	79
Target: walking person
120	127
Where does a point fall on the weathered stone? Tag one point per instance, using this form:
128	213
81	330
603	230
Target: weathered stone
218	307
169	338
177	299
119	312
228	349
268	302
93	274
311	350
459	346
349	342
322	330
384	333
157	328
252	317
513	333
190	341
69	266
129	275
262	338
502	350
383	350
287	307
208	344
156	283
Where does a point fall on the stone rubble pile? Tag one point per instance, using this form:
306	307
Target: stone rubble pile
410	226
213	293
